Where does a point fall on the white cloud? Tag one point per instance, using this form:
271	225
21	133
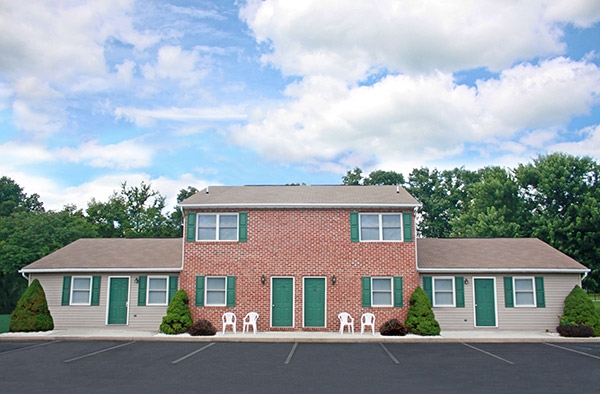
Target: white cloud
147	117
403	119
582	13
176	63
587	145
351	38
125	155
37	107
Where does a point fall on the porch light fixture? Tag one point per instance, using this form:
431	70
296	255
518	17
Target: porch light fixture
333	280
263	280
136	280
466	281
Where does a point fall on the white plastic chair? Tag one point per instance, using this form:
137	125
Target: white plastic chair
346	321
229	319
367	319
250	321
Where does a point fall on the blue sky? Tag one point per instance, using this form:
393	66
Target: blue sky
198	93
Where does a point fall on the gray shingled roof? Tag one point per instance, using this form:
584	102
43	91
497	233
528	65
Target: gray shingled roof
113	254
301	196
492	255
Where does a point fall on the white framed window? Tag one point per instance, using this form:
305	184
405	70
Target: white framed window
524	289
216	291
381	292
380	227
217	227
157	290
81	290
443	291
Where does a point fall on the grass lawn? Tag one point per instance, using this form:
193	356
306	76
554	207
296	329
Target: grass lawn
4	321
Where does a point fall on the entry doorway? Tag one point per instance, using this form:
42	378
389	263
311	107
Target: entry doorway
118	301
314	302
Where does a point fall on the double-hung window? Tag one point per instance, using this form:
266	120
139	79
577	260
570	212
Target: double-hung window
381	292
218	227
380	227
524	289
216	290
81	290
443	291
157	290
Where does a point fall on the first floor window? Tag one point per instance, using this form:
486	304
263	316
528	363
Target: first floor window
216	289
81	290
524	292
443	291
157	290
381	289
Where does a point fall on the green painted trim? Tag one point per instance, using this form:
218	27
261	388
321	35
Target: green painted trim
231	291
199	291
459	286
398	292
366	291
66	291
95	291
142	282
427	287
173	285
540	297
508	292
408	228
354	227
190	234
243	227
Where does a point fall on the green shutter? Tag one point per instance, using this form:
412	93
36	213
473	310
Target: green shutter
427	287
366	291
459	285
508	292
540	297
407	221
142	290
398	292
354	227
231	291
173	284
95	291
191	227
243	227
199	291
66	291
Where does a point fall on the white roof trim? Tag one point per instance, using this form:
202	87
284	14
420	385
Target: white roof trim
62	270
507	270
299	205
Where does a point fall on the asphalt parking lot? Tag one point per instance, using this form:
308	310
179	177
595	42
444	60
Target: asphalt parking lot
219	367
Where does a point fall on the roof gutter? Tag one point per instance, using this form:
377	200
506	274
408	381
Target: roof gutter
501	270
63	270
298	205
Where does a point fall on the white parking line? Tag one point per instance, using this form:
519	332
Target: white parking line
289	358
28	347
394	359
572	350
98	352
488	353
192	353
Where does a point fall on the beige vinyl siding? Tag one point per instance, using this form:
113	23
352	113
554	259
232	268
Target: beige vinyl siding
76	316
557	287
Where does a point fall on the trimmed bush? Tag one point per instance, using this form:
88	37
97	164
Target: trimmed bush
31	312
579	311
393	327
202	328
420	319
179	317
571	330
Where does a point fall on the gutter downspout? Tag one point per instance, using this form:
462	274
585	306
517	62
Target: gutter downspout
24	275
182	238
416	243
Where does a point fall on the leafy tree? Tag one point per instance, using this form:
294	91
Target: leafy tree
179	317
133	212
176	217
13	199
563	193
495	208
420	319
380	177
32	313
353	178
443	195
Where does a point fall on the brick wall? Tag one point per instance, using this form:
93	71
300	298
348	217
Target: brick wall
299	243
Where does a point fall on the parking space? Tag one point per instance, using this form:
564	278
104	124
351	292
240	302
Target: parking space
156	367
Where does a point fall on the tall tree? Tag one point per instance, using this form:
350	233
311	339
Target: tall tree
13	199
176	217
353	178
380	177
135	211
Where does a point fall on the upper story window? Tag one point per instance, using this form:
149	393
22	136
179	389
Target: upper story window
218	227
380	227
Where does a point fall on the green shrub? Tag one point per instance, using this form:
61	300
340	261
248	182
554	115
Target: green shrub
202	327
579	310
393	327
420	319
31	312
179	317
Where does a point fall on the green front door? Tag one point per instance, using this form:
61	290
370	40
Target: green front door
314	302
117	300
485	303
282	302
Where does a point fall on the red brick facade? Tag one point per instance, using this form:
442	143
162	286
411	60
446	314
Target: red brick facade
299	243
